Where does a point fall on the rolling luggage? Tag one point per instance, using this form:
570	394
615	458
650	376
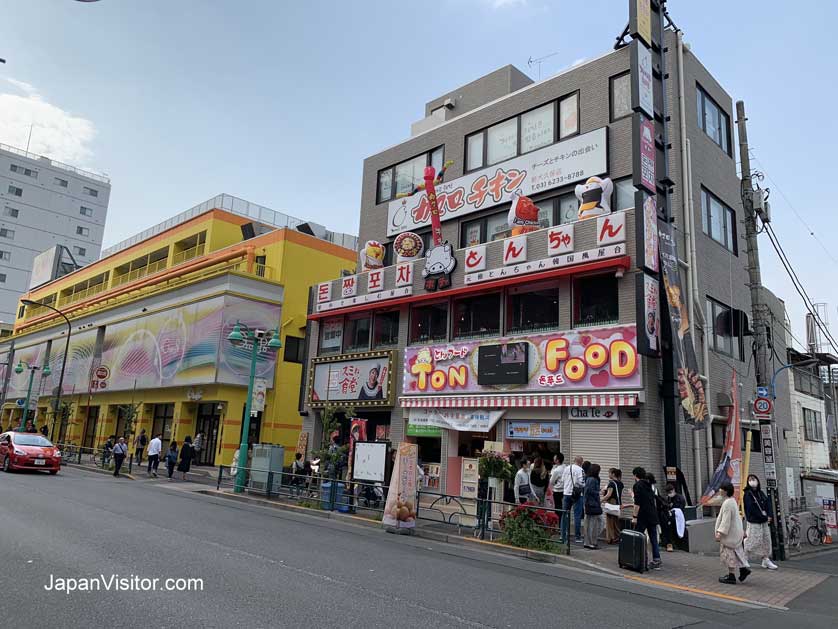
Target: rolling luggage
632	551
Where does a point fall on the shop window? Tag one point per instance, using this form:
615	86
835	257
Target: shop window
620	96
357	335
476	317
568	208
718	221
569	116
532	308
812	427
623	194
331	336
386	329
403	178
295	348
429	322
595	300
537	127
502	142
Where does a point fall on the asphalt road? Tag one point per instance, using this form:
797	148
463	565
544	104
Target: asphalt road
266	568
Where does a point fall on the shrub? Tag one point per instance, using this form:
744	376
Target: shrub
495	465
528	527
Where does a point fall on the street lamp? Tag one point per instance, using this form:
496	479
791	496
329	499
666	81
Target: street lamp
241	335
45	371
57	403
803	363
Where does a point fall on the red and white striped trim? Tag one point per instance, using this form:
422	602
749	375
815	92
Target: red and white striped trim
519	400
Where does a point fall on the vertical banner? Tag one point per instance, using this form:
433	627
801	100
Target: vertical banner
640	20
642	90
260	388
730	465
644	153
646	231
647	298
400	509
357	432
690	387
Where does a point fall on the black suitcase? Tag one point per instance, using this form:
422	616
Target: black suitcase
632	551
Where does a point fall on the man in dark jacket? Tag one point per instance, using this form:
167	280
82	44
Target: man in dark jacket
646	513
669	532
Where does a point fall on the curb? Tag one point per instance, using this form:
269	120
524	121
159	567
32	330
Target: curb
95	470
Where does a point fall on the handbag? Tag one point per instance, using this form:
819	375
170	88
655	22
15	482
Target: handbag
524	490
610	509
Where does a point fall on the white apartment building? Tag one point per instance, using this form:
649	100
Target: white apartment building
44	203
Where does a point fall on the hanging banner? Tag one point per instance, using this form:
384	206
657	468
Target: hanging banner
643	162
400	508
690	387
646	231
642	93
463	420
260	389
729	468
357	432
647	298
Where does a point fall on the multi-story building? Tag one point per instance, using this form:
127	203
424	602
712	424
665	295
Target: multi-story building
45	203
535	343
150	323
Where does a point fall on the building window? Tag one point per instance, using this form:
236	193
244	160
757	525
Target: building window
805	381
595	300
79	251
756	439
620	96
812	428
429	322
7	233
569	116
532	308
295	347
623	194
718	221
86	211
62	183
91	192
14	190
713	120
502	142
357	333
5	255
725	334
11	212
476	317
331	336
537	127
82	231
2	278
474	151
385	329
406	175
24	171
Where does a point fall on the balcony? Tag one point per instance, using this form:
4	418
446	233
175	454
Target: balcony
136	274
82	294
188	254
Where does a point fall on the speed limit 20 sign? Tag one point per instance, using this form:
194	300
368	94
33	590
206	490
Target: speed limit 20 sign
762	406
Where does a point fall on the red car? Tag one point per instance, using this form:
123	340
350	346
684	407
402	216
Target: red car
28	451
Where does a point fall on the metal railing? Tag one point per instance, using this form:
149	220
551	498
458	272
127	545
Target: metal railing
72	454
55	164
188	254
130	276
82	294
259	270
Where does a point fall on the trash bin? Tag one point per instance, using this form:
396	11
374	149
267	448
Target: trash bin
326	496
342	500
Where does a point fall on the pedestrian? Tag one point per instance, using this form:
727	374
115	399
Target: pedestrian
574	484
729	534
120	451
171	459
613	495
557	484
140	442
523	488
593	507
669	528
107	450
539	479
758	515
30	426
45	431
185	457
298	469
197	446
154	448
645	518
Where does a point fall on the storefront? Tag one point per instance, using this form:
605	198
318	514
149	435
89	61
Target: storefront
429	441
532	438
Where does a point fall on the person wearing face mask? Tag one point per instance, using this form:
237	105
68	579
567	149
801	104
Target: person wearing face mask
669	531
758	515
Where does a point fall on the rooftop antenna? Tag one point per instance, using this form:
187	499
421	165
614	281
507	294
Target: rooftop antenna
539	61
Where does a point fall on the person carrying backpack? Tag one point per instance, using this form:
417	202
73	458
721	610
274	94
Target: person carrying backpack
140	442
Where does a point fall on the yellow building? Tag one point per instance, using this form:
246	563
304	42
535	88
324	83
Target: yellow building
148	346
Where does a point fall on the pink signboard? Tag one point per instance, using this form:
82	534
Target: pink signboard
647	154
598	359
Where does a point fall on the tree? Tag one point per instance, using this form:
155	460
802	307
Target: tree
331	418
129	413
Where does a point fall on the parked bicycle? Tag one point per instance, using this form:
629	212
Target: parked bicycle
793	531
817	532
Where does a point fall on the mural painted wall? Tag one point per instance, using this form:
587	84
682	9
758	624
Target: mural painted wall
577	360
18	383
79	363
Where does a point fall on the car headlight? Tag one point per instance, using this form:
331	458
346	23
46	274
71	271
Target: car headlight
57	454
20	452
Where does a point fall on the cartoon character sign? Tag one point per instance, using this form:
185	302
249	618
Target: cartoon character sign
372	256
594	197
408	246
439	264
523	215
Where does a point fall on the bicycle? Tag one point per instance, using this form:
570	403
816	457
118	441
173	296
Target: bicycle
793	531
817	532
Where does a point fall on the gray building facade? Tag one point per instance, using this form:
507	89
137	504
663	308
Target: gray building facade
607	416
45	203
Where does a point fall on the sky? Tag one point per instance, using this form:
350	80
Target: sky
279	102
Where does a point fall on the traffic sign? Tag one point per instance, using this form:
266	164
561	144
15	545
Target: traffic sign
20	402
762	406
102	372
762	391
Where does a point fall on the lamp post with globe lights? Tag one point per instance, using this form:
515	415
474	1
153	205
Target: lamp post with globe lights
19	369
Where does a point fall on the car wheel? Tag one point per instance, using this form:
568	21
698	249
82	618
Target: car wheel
6	465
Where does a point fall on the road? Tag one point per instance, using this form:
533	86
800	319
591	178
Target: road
262	567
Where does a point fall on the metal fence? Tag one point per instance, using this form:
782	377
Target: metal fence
71	454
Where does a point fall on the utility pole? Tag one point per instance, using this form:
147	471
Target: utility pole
760	318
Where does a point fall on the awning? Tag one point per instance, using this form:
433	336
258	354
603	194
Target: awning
821	475
519	400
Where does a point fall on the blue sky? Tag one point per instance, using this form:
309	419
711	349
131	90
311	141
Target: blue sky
279	102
